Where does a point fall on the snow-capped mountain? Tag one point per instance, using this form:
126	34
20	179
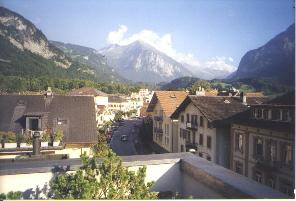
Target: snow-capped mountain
139	61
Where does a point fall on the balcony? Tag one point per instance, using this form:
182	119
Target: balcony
158	118
158	130
191	126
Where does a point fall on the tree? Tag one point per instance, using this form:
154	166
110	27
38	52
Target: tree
200	83
108	180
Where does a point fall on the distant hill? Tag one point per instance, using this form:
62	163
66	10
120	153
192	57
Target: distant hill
274	61
26	52
89	56
183	82
141	62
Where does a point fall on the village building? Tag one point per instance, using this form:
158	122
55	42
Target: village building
162	105
204	125
263	143
118	103
74	116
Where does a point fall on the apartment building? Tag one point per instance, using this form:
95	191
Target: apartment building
204	124
162	105
262	143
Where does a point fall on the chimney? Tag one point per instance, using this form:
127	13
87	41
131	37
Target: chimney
243	98
200	91
48	92
36	143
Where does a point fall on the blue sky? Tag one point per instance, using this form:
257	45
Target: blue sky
197	31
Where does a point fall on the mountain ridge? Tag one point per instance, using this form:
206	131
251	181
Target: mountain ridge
275	59
140	61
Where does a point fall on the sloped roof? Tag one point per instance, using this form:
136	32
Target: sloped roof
216	108
87	91
168	100
115	99
79	111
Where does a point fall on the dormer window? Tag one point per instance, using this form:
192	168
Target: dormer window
33	123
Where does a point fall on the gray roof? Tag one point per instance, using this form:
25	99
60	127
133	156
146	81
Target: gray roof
87	91
78	111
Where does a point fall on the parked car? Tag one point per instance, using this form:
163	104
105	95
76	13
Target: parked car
123	138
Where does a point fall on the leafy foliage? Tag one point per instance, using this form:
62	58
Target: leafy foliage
200	83
14	195
59	135
108	180
8	137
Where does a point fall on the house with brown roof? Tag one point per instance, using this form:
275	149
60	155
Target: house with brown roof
204	124
263	143
162	105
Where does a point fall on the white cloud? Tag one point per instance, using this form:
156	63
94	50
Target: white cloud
115	37
221	63
164	44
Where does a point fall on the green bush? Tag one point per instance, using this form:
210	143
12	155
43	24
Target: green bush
2	196
14	195
59	135
8	137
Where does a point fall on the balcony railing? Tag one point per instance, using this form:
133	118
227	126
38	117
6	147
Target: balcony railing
191	126
158	118
158	130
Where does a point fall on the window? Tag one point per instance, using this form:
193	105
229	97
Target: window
201	121
187	118
258	176
33	124
265	114
271	150
285	115
209	142
239	142
238	167
209	158
287	154
270	182
182	148
259	113
194	119
275	114
258	147
209	124
201	139
182	118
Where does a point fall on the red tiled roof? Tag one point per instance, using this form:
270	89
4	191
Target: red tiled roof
168	100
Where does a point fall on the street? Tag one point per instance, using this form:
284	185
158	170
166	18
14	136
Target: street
130	128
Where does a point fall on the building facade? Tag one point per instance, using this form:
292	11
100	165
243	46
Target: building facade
161	106
204	125
263	145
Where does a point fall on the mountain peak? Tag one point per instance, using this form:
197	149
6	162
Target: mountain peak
139	61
